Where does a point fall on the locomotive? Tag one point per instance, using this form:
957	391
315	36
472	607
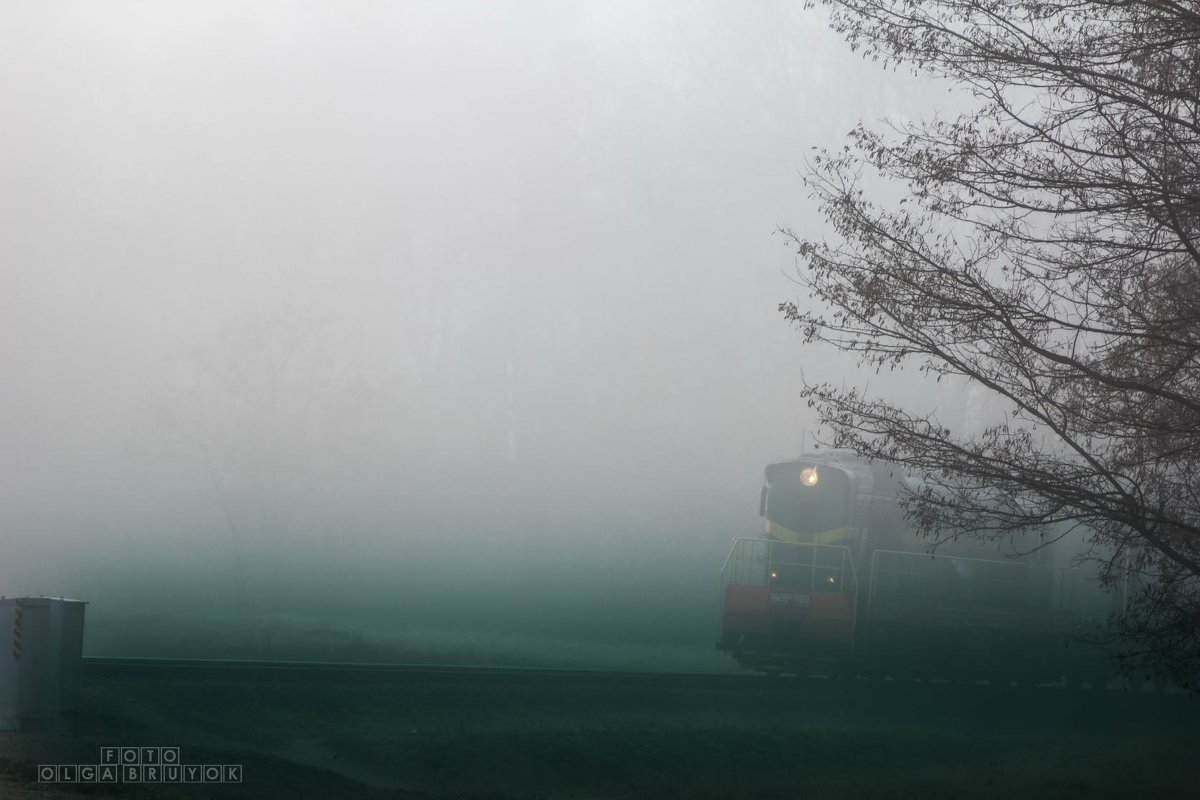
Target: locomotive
842	584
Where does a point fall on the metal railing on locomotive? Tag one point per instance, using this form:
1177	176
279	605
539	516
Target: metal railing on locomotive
1003	608
972	587
979	590
753	562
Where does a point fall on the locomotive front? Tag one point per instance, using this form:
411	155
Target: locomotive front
792	596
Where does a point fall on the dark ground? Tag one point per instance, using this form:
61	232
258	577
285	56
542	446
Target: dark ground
497	736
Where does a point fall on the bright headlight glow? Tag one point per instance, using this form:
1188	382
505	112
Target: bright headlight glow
809	476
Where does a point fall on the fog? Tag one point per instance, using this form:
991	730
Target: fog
449	318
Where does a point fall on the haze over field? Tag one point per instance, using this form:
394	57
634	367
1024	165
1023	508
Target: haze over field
448	315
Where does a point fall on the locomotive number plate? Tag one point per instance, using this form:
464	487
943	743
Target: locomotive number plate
790	599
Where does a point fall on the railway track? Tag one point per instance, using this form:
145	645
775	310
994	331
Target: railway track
349	672
501	691
383	673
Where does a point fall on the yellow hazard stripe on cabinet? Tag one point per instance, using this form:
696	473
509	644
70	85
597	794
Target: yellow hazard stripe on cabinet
16	642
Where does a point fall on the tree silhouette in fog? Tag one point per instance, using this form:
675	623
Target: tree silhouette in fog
280	434
1046	250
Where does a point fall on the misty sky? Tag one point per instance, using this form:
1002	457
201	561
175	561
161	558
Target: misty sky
335	291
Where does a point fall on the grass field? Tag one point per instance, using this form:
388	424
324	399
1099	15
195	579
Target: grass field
494	738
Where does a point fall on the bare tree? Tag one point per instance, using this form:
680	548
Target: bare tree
1046	250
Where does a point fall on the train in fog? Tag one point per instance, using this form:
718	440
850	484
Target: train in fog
842	584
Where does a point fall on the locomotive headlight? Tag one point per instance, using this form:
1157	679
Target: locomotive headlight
809	476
